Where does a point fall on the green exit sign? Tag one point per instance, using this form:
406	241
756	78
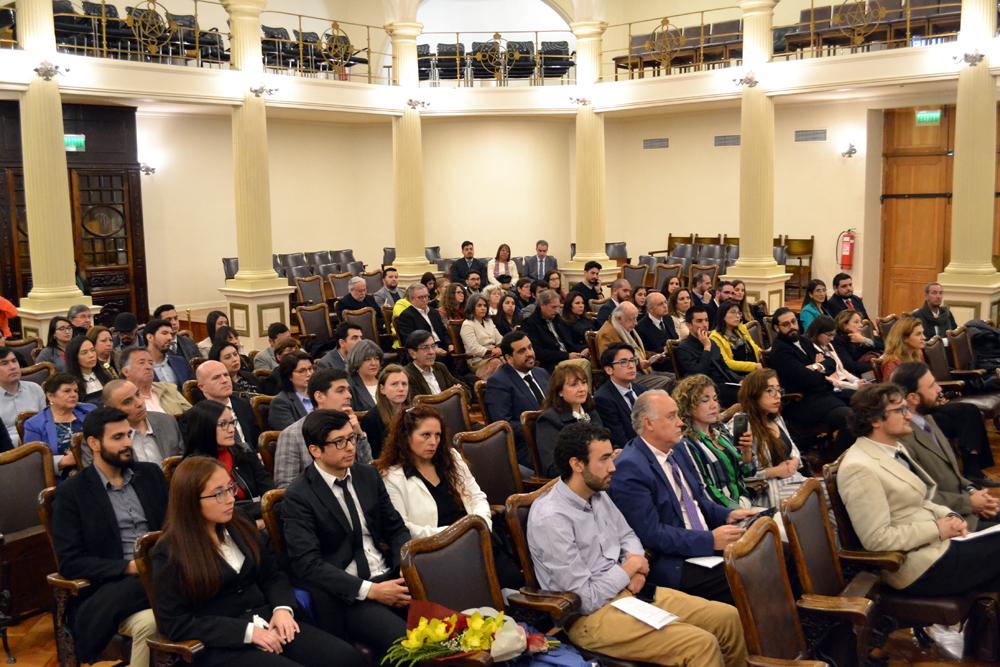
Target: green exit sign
75	143
928	117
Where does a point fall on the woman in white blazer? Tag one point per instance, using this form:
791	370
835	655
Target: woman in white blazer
481	338
501	265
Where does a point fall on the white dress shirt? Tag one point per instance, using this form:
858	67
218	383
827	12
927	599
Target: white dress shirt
430	379
430	326
234	558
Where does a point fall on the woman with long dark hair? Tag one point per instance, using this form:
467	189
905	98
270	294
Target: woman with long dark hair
507	318
54	352
429	281
210	430
501	265
574	314
81	363
453	302
680	301
814	304
104	345
821	332
567	401
215	319
214	577
737	346
245	383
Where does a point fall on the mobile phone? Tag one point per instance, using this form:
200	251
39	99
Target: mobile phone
739	426
747	522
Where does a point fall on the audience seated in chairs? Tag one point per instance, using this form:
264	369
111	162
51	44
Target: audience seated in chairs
821	332
814	305
574	316
675	520
738	349
905	342
228	334
467	264
137	367
889	499
655	328
357	297
934	315
330	390
56	424
389	293
213	322
803	369
538	266
453	302
429	280
843	297
567	401
774	452
183	345
639	296
519	385
677	306
245	383
343	538
81	317
621	291
363	364
550	337
126	332
54	352
481	338
670	285
723	463
750	312
501	265
213	574
97	517
590	286
292	403
346	336
393	397
210	430
492	294
16	395
419	316
167	367
215	385
265	360
155	436
553	280
698	354
271	385
855	350
581	543
507	318
104	347
929	447
426	376
621	328
616	398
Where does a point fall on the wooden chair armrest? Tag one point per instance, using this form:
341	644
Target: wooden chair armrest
855	610
461	355
556	605
654	253
761	661
305	338
74	586
885	560
952	385
534	482
968	373
187	650
498	510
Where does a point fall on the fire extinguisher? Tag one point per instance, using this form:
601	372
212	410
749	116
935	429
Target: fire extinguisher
845	248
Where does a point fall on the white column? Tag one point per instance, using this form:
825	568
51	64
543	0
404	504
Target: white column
972	284
46	180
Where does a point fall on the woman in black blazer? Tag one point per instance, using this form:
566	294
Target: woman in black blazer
574	315
214	577
568	401
294	372
393	392
210	430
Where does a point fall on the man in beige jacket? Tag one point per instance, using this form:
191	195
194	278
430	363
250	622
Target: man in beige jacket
888	497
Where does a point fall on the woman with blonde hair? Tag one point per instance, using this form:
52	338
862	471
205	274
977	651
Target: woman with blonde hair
904	342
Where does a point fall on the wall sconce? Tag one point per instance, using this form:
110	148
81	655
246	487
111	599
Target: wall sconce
260	90
580	101
413	104
748	80
146	169
970	59
850	151
48	71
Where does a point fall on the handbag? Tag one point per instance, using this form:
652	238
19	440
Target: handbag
981	628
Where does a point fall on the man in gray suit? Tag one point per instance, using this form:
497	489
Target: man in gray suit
155	435
536	267
929	447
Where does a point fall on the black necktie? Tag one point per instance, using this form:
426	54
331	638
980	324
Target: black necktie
630	395
663	327
535	389
356	540
902	458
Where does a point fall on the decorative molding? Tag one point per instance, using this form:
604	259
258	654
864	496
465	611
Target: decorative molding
279	306
242	323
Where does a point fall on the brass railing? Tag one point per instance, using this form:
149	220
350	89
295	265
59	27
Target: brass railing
512	57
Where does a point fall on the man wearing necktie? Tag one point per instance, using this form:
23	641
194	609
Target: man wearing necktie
467	264
657	489
541	263
343	537
931	450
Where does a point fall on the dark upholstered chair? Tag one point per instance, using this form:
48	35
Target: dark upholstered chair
493	461
38	373
24	345
529	420
315	321
261	406
338	283
452	406
635	275
963	358
309	291
267	445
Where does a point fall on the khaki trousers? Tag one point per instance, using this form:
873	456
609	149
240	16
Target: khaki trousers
706	633
140	626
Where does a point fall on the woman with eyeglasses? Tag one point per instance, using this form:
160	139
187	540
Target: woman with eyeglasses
54	352
430	282
245	383
739	351
81	363
210	430
293	402
723	463
363	364
567	401
453	302
217	581
393	395
777	458
553	279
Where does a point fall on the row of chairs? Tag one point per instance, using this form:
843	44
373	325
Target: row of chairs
450	61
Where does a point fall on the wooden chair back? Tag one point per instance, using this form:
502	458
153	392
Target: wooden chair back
595	304
25	346
963	357
76	448
877	368
529	419
24	472
169	465
886	323
452	406
387	316
480	389
270	508
191	392
19	422
868	329
753	328
461	552
492	460
516	515
664	272
309	290
46	497
338	283
672	353
38	373
635	275
673	241
936	356
267	446
261	406
364	318
591	338
811	540
315	321
708	240
373	280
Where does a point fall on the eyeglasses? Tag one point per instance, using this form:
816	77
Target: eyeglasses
775	391
342	443
65	327
426	347
226	424
624	363
222	494
903	410
304	371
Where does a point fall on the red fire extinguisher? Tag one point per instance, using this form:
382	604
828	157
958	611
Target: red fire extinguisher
845	248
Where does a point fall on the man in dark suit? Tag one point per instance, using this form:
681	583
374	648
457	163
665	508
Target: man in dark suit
843	297
181	345
343	537
934	315
167	367
517	386
357	297
590	286
656	328
550	336
657	489
426	375
467	264
97	517
802	369
419	316
699	354
541	263
216	385
932	451
621	290
615	398
155	435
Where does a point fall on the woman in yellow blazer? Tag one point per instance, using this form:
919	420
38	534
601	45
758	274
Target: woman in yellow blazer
739	351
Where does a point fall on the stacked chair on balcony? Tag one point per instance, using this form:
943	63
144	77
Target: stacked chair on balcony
278	49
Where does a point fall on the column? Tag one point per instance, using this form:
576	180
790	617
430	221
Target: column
408	159
591	212
765	279
257	296
46	181
972	284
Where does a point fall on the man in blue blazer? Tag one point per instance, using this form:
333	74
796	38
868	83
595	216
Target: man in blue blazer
616	397
167	367
658	490
509	392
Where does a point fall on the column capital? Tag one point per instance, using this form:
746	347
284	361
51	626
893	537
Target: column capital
754	7
588	29
244	8
404	30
